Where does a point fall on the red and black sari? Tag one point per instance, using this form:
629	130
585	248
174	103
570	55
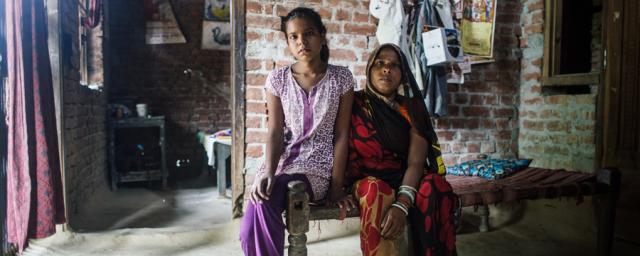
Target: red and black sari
378	150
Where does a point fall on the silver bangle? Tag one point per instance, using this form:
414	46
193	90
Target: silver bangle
401	207
403	187
412	197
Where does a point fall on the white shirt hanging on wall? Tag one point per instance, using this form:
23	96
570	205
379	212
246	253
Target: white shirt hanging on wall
391	22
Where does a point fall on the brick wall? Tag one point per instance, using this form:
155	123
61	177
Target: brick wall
155	74
483	116
557	130
483	111
85	164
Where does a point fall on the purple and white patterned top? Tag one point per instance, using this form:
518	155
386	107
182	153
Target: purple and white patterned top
309	123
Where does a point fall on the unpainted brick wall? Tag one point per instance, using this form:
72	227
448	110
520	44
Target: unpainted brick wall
557	130
84	113
483	113
186	84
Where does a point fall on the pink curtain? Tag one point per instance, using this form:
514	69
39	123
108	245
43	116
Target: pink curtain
34	187
93	14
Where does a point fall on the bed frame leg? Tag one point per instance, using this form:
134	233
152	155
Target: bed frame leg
297	218
607	209
484	218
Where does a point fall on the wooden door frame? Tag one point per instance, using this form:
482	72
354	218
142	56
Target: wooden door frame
612	45
238	46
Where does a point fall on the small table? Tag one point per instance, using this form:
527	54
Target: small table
137	175
219	151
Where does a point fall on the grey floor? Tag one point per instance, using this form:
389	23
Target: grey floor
193	220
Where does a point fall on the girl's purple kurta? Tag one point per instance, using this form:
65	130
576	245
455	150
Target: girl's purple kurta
309	121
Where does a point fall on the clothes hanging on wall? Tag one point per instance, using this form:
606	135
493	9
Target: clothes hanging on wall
391	22
434	77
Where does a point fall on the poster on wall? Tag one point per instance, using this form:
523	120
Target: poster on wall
217	10
216	35
478	26
216	29
161	24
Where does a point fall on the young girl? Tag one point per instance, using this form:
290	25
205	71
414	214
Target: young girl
309	107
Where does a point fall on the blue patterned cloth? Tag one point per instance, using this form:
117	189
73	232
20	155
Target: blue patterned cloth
491	169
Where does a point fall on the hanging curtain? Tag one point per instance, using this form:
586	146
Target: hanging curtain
4	244
34	187
93	14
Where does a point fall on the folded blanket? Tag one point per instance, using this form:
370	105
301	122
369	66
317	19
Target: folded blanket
491	169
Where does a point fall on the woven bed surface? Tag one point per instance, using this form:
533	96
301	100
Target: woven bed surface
530	183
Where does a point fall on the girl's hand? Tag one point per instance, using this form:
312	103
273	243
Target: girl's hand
262	187
393	223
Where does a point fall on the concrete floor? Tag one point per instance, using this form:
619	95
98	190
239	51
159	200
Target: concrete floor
192	220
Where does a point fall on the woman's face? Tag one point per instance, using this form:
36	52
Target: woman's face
386	72
304	40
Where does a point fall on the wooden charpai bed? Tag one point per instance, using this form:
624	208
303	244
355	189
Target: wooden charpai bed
530	183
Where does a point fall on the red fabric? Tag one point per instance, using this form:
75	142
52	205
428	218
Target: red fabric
376	172
34	187
93	14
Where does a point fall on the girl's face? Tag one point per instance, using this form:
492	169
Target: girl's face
386	72
304	40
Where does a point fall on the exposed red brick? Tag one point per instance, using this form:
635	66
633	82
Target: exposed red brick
325	13
473	147
253	64
254	122
253	7
256	137
446	135
341	54
537	17
457	147
472	135
475	111
253	36
461	98
533	125
254	150
361	17
537	5
453	110
263	21
256	79
472	124
533	28
556	99
255	94
355	29
258	108
503	112
556	126
531	76
282	11
342	14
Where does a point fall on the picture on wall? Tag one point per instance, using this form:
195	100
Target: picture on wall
478	26
216	35
161	24
217	10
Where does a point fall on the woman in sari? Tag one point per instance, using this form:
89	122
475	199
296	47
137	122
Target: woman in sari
395	168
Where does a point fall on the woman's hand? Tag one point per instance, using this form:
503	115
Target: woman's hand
262	187
393	223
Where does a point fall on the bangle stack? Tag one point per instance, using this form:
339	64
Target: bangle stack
401	204
408	191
